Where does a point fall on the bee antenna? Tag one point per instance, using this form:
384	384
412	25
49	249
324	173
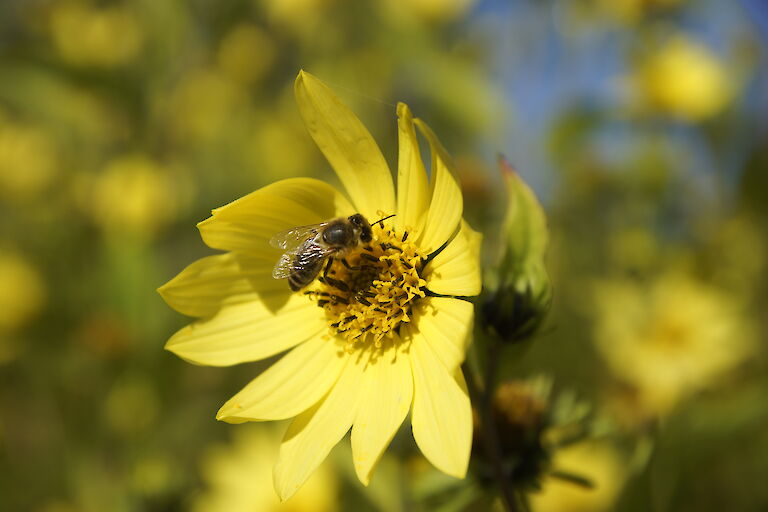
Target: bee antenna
380	222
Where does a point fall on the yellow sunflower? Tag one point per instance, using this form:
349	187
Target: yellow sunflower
374	336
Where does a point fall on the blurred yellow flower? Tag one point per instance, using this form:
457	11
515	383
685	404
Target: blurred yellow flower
246	53
205	106
95	36
635	248
740	247
669	338
599	463
239	478
283	13
684	79
431	10
22	296
27	159
136	195
22	291
153	474
279	133
385	335
131	406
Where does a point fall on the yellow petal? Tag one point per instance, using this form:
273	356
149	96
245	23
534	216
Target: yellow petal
387	390
446	204
412	185
441	416
247	224
314	432
206	285
347	145
456	270
445	325
290	386
248	332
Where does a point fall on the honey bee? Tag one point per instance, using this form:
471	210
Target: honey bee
307	248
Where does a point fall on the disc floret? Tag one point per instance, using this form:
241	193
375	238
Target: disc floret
370	292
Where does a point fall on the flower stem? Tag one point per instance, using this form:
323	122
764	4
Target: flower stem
484	399
491	434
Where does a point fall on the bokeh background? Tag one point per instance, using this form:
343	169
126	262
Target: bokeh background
640	124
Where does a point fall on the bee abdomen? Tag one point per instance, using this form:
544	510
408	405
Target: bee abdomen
295	284
303	274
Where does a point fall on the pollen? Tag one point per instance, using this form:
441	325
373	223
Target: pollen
372	290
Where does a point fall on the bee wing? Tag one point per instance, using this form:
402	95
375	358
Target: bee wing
293	238
284	266
306	254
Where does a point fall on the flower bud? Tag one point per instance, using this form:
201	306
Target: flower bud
530	425
520	297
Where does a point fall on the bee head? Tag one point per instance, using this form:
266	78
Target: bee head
361	227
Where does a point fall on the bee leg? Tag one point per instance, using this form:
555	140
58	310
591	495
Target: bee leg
349	267
327	267
339	285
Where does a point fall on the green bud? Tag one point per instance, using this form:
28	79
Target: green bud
520	297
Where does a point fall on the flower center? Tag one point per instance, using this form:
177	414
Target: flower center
371	291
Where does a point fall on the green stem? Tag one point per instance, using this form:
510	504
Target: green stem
484	399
